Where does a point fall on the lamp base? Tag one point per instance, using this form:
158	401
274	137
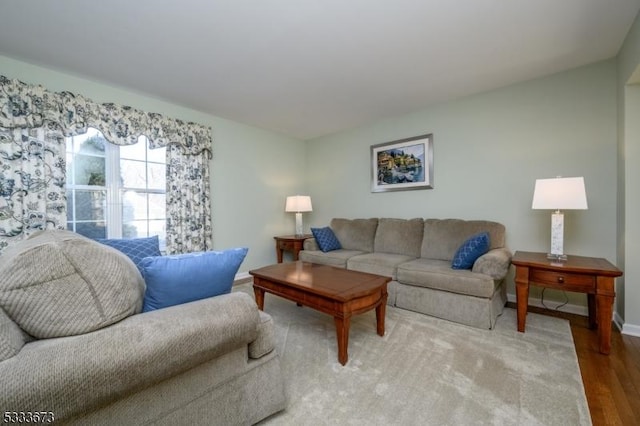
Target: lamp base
557	236
299	228
557	257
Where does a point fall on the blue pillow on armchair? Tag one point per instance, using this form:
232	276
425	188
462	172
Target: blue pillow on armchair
135	248
470	251
176	279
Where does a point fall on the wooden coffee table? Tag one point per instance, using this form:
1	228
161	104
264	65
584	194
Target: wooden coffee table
338	292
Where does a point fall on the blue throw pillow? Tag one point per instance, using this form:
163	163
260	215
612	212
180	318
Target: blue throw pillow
135	248
326	239
471	250
182	278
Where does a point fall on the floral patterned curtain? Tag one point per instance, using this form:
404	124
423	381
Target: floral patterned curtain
43	119
32	177
187	202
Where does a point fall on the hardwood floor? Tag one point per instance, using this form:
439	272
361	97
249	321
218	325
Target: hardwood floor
611	382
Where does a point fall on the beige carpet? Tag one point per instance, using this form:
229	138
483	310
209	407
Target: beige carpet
426	371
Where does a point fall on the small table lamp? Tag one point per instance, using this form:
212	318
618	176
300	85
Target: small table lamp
556	194
298	204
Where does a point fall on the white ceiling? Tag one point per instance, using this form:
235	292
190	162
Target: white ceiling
307	68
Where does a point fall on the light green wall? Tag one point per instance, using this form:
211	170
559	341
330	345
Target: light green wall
488	151
252	170
628	289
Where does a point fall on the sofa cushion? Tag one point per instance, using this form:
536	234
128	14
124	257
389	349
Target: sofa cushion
355	234
442	237
399	236
378	263
326	239
59	283
182	278
337	258
11	337
135	248
474	247
438	274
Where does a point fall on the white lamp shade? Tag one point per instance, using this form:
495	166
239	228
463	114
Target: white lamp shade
298	203
560	194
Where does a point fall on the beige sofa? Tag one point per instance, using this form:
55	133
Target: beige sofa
211	361
417	255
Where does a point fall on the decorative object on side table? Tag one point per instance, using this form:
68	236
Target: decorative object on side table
403	164
298	204
292	243
559	194
590	275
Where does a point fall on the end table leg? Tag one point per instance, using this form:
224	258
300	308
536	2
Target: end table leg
259	295
522	296
342	332
605	294
591	303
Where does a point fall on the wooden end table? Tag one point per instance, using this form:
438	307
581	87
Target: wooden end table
292	243
338	292
590	275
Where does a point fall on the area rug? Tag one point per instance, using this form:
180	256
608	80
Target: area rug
426	371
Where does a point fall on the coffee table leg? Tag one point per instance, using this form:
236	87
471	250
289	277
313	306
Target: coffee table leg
259	294
342	332
380	311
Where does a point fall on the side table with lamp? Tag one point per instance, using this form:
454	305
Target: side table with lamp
297	204
593	276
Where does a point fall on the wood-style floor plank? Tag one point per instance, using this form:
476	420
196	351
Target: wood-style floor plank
611	382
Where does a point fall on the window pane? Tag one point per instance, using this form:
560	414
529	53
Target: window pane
157	176
94	144
135	229
134	206
133	174
158	227
70	207
157	206
157	155
91	229
88	170
90	205
134	152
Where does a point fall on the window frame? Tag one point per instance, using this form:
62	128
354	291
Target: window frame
114	188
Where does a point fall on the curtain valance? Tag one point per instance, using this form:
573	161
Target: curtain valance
32	106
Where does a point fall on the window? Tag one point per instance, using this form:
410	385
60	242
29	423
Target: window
115	191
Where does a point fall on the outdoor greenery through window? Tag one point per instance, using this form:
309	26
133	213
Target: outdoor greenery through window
115	191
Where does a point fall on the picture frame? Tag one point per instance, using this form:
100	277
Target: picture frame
402	165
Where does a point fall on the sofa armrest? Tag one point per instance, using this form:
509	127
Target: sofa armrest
69	375
265	342
494	263
310	244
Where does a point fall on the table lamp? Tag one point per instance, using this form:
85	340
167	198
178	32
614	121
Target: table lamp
559	194
298	204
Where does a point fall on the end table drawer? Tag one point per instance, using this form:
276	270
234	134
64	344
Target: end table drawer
286	245
565	281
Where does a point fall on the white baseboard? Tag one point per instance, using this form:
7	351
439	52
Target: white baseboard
618	321
631	330
569	308
242	277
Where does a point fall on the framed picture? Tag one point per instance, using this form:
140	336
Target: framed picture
402	165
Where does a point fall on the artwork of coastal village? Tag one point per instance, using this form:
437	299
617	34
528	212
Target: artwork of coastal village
401	165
